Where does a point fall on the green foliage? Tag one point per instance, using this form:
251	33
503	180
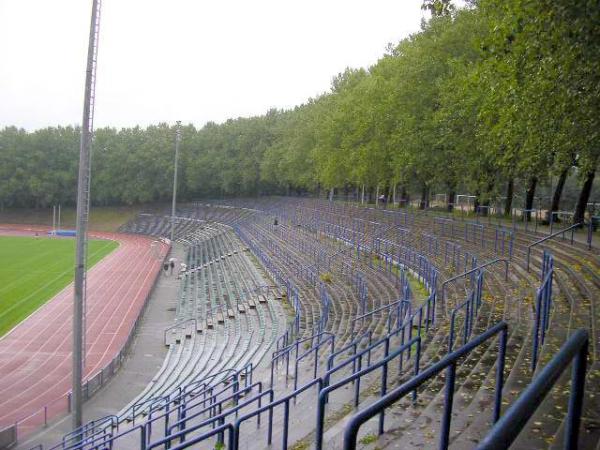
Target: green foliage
499	90
438	8
326	277
368	439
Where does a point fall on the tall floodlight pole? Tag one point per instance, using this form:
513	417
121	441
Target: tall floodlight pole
177	141
83	195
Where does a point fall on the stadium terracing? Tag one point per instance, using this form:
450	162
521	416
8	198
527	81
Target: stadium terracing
302	323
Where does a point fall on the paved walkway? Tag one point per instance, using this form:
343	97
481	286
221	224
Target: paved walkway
146	356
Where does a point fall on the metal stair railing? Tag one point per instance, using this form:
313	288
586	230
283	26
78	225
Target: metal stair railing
506	430
449	363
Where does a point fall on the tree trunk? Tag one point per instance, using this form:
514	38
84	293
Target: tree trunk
386	194
362	198
510	193
530	195
584	196
424	197
451	200
403	196
558	192
377	197
476	201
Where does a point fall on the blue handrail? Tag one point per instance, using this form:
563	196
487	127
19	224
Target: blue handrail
216	431
474	269
102	442
284	352
166	441
543	304
367	335
356	376
471	306
315	350
269	407
448	362
506	430
181	423
553	235
90	429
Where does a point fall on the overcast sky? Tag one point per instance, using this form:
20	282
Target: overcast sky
189	60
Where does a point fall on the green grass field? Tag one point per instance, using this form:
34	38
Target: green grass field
33	270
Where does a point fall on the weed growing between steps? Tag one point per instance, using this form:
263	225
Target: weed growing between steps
368	439
418	288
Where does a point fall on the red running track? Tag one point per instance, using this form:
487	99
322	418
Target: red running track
35	357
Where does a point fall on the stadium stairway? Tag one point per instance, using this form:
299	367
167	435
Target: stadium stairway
216	328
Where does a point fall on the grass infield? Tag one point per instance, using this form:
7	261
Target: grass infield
34	269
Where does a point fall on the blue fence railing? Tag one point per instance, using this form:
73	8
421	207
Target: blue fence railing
543	305
447	363
471	309
506	430
355	378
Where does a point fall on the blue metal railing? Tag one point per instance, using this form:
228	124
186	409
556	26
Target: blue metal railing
449	363
329	339
218	420
367	335
473	270
284	353
502	235
506	430
180	395
217	416
221	429
471	307
356	376
90	429
475	232
285	401
543	304
356	359
553	235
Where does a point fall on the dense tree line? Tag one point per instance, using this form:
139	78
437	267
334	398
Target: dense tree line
500	94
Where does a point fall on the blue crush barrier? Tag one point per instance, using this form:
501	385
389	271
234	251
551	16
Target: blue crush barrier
284	353
572	229
285	401
473	270
180	428
504	241
449	363
475	232
471	307
543	304
328	340
355	378
443	227
506	430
